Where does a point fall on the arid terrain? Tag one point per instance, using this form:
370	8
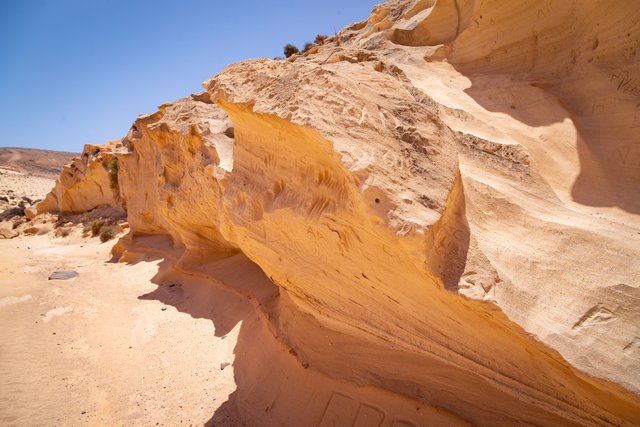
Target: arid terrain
26	176
42	163
110	346
430	218
105	348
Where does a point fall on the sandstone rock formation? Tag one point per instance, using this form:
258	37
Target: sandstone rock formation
85	183
438	207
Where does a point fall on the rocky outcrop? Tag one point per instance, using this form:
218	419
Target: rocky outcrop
585	54
413	211
551	81
88	182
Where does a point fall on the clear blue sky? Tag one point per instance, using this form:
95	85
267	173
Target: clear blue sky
80	71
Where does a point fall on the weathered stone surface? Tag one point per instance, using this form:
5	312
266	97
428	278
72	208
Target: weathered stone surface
448	216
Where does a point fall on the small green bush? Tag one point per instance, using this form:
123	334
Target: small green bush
112	168
96	226
290	49
106	234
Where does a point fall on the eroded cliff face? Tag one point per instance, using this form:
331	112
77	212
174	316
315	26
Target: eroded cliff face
413	192
88	182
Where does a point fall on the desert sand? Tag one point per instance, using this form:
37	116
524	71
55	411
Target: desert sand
431	218
26	177
28	173
104	348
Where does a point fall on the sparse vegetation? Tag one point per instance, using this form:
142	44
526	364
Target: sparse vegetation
112	170
290	49
106	234
96	226
103	229
320	39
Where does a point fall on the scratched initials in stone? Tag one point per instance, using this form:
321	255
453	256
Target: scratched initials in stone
344	411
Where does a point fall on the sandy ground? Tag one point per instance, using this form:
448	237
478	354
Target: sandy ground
12	182
28	175
16	187
101	349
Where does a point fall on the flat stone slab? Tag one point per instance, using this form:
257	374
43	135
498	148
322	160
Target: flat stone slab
63	275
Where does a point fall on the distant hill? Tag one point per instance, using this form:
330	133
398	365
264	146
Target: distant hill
44	163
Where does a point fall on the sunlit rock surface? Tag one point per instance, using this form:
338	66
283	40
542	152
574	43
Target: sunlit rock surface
438	206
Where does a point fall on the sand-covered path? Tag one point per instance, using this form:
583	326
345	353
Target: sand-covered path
102	349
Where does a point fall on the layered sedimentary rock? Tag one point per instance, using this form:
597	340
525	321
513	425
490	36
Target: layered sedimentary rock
444	224
88	182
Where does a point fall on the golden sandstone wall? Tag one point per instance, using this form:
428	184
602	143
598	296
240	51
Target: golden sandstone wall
444	197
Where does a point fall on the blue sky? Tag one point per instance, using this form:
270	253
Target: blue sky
80	71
